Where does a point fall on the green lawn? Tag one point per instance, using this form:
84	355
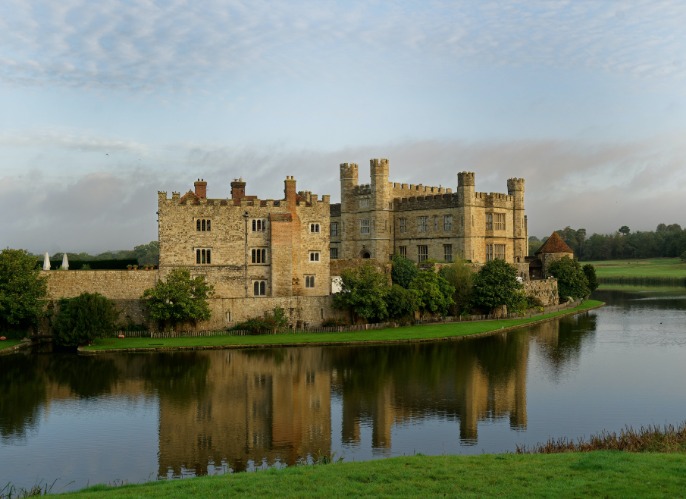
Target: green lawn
591	474
8	344
409	333
649	268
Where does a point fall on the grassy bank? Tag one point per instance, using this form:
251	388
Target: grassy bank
8	344
591	474
650	268
423	332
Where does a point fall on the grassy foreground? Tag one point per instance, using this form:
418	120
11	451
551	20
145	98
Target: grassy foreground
8	344
590	474
648	268
399	334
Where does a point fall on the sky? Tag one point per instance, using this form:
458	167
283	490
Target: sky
103	104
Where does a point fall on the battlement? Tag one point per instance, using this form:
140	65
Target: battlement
349	172
466	179
239	199
362	190
399	190
438	201
515	184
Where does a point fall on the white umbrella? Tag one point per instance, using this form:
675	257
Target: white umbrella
46	261
65	262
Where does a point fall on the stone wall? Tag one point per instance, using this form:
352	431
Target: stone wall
544	289
124	287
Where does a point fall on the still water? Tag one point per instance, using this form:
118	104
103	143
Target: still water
78	421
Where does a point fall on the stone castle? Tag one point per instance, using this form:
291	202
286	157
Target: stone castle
426	223
259	254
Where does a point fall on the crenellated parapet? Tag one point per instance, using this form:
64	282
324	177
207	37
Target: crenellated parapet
439	201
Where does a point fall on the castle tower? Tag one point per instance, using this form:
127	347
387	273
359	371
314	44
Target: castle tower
515	188
380	243
467	201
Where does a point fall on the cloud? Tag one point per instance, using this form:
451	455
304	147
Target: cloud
595	185
146	45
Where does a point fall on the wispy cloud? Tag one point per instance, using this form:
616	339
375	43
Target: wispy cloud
148	45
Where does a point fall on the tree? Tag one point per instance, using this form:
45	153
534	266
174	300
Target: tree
459	275
147	254
496	285
402	303
571	280
403	270
181	298
435	293
591	278
624	230
21	290
80	320
363	293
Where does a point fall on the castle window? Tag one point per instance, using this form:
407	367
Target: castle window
203	225
489	221
364	203
314	228
422	253
402	223
402	251
203	256
259	225
259	288
448	252
309	281
259	255
334	229
333	253
314	256
422	224
447	223
499	221
435	222
495	252
364	226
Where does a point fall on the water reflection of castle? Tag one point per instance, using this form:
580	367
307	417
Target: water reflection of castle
235	407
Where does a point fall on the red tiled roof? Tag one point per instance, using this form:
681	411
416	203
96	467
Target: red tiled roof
555	244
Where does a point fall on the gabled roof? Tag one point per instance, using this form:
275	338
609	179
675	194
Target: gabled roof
189	197
555	244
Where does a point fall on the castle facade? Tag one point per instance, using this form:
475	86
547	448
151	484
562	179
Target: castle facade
247	247
426	223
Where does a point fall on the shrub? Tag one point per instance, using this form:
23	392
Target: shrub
271	322
82	319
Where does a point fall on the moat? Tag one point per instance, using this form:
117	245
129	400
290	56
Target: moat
129	418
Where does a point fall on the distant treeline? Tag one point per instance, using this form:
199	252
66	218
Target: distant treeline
114	264
144	254
667	241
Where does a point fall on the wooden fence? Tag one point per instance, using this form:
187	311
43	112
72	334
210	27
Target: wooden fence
340	329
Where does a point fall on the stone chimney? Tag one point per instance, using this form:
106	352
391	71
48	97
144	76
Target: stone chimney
200	188
237	190
289	190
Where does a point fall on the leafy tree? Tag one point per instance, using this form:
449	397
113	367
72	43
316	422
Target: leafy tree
21	290
80	320
624	230
683	256
363	293
571	279
435	293
402	303
591	278
403	270
459	275
181	298
147	254
496	285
